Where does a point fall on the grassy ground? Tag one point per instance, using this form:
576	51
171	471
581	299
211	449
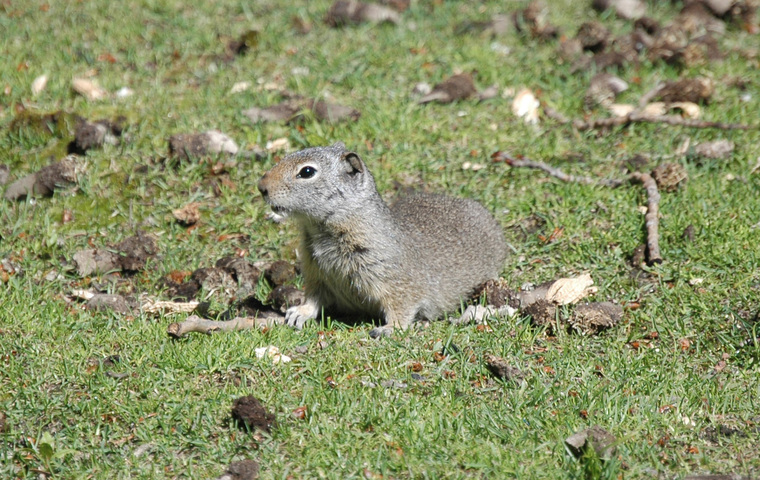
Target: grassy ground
673	406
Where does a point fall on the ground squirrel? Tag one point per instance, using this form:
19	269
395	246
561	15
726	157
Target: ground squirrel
417	259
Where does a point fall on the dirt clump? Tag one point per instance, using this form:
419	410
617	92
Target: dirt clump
498	293
592	318
242	470
45	181
135	251
542	313
280	273
456	87
285	296
501	369
116	303
130	255
249	412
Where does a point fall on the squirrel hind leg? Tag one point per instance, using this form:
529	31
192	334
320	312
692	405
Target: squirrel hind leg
297	316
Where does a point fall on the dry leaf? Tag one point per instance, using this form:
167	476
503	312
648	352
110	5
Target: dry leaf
81	294
603	89
621	109
240	87
300	412
718	150
689	109
332	112
184	145
189	214
456	87
273	353
655	109
124	92
570	290
421	89
479	314
276	113
695	90
220	143
149	305
278	144
525	105
39	84
89	89
345	12
669	176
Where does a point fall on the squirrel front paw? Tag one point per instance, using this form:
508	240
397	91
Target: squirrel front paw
297	316
379	332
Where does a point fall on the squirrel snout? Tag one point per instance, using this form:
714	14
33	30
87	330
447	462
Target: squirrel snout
263	187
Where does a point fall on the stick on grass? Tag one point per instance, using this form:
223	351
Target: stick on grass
639	117
553	171
194	323
652	216
650	185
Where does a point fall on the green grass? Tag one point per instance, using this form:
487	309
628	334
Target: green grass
68	417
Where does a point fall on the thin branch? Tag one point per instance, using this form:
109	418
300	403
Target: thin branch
650	95
652	216
653	195
194	323
639	117
553	171
555	114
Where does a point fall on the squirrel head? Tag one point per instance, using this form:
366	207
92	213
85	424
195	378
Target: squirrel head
321	183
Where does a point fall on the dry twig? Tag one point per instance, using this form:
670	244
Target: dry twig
554	172
194	323
652	216
653	194
638	117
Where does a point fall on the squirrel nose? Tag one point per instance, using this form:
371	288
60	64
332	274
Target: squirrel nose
263	186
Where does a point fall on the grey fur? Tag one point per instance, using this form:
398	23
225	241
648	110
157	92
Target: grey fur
415	260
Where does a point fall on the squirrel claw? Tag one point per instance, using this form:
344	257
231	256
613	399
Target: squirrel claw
297	316
378	332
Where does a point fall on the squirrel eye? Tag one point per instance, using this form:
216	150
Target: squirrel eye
307	172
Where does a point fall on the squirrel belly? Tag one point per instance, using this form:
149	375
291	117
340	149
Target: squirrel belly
342	268
414	260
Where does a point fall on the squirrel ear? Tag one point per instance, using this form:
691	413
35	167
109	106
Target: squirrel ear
354	164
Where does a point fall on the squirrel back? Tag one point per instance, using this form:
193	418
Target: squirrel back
415	260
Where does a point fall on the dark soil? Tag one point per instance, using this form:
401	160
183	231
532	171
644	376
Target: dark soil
501	369
243	470
284	296
280	273
248	412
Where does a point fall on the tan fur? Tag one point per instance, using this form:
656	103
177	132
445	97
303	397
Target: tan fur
415	260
